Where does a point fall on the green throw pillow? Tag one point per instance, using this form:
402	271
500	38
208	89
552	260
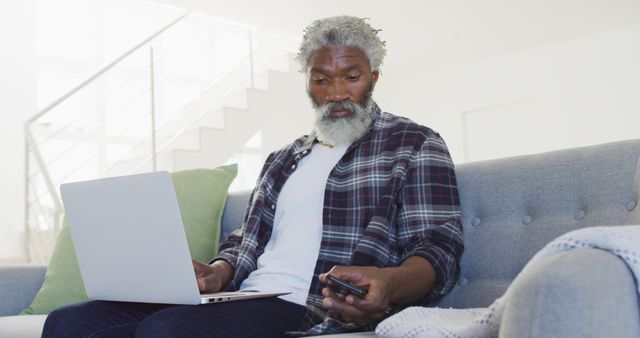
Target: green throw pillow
201	194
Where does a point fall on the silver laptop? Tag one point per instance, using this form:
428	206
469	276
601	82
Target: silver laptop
130	242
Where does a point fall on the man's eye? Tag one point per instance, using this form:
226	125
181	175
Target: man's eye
319	81
353	77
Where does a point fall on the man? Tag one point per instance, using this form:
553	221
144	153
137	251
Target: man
368	197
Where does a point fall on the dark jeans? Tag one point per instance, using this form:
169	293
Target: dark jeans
265	317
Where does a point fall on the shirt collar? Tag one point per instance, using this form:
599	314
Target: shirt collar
304	144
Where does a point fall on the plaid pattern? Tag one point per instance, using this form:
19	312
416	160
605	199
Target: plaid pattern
392	195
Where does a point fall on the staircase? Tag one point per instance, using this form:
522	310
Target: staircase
263	108
139	114
221	133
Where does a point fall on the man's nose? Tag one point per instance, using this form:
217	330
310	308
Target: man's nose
337	92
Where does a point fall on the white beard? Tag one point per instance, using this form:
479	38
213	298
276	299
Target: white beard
342	130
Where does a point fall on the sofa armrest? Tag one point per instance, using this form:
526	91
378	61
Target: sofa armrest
18	287
579	293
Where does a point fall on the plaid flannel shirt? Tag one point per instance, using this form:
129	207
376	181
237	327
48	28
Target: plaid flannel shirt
391	196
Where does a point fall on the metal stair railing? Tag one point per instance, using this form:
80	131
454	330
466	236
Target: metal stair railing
50	214
32	145
112	117
229	88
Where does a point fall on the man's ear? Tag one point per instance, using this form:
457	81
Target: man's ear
375	74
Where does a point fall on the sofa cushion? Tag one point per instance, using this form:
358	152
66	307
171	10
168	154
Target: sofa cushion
201	195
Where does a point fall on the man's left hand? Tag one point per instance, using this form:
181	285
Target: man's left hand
351	308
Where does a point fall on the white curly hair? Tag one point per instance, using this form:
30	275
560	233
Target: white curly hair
343	31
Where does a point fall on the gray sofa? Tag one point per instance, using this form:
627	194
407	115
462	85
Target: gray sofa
511	208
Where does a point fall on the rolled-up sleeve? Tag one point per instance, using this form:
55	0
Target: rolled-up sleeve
229	248
429	220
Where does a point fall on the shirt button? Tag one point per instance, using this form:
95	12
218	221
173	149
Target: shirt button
293	167
273	206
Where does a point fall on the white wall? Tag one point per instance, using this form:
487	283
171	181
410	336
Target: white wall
17	101
566	94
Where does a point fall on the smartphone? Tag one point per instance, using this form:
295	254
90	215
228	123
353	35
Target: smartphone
338	285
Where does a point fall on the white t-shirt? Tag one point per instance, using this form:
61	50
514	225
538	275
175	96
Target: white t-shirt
292	251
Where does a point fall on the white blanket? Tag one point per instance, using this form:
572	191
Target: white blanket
622	241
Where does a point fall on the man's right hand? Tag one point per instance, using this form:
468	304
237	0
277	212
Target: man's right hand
214	277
